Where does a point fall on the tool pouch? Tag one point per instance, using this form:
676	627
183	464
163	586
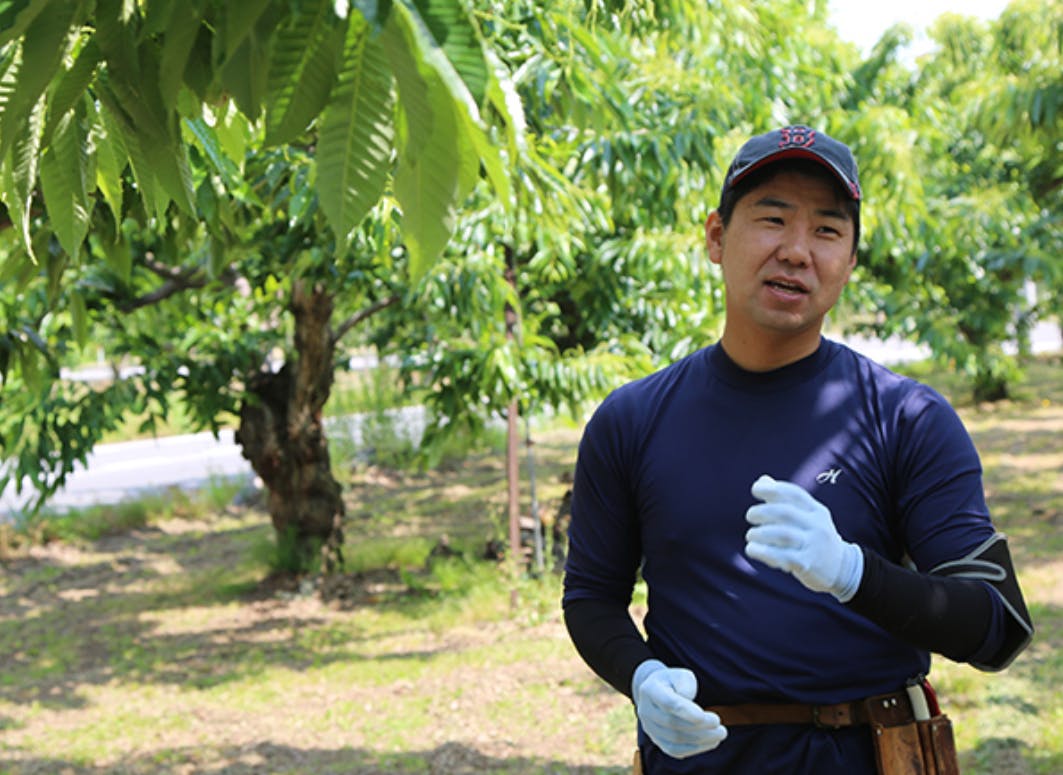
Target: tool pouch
939	748
907	747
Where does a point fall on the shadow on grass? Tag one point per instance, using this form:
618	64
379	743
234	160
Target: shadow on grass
447	759
1009	756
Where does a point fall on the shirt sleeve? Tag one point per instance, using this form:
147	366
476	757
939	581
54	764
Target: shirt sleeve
604	547
942	516
604	552
940	500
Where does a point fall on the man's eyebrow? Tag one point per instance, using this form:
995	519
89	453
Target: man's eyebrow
770	201
826	212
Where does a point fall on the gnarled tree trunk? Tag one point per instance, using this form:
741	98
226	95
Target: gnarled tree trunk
282	434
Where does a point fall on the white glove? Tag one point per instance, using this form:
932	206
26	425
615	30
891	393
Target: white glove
664	703
795	533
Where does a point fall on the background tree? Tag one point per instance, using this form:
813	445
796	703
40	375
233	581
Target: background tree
973	216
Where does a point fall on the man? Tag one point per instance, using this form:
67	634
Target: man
809	525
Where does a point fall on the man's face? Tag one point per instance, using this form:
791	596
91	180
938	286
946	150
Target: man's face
786	255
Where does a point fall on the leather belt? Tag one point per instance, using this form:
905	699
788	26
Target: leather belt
887	710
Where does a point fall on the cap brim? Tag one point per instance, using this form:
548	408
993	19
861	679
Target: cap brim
851	188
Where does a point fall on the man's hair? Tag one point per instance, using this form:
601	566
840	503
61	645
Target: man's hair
731	197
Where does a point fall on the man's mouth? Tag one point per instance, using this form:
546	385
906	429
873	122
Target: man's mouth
786	286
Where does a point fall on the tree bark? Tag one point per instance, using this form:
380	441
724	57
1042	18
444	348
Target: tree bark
282	434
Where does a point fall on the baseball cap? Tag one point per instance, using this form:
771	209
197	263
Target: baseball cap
795	142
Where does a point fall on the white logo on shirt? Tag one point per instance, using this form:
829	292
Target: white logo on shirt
830	476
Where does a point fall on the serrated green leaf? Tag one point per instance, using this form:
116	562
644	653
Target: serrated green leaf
306	56
118	126
158	15
452	30
131	76
111	158
170	165
9	62
63	182
20	176
429	173
119	257
79	318
43	48
30	371
71	85
15	17
180	37
207	140
246	73
433	55
234	133
239	22
357	133
152	139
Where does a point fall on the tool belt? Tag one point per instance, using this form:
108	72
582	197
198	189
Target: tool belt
910	738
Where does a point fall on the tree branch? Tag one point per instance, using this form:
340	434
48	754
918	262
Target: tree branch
358	317
176	279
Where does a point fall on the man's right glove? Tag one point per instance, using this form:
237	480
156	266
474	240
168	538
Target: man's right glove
664	703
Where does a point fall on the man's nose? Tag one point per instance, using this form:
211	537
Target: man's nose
795	247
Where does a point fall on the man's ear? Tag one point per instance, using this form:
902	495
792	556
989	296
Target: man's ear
714	236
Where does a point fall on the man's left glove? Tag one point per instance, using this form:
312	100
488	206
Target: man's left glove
794	532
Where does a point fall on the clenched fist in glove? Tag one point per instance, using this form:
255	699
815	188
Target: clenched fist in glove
794	532
664	702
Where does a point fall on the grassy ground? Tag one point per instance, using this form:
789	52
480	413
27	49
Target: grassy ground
159	649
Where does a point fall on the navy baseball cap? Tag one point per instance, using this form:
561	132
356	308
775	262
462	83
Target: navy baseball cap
795	142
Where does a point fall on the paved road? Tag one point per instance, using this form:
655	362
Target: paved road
126	469
130	468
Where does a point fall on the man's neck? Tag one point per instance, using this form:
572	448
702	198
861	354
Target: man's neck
767	353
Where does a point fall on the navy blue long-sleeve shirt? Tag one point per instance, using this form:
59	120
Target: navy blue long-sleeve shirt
663	484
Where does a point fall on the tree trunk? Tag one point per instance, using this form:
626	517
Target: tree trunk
282	435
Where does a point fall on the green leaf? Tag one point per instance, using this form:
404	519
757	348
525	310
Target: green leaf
306	57
356	135
15	17
239	22
43	48
119	126
110	161
118	256
131	74
78	317
71	85
63	181
208	141
9	62
169	162
374	11
452	29
20	176
245	73
234	133
180	37
429	174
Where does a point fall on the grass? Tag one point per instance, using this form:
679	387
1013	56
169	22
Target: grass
154	644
